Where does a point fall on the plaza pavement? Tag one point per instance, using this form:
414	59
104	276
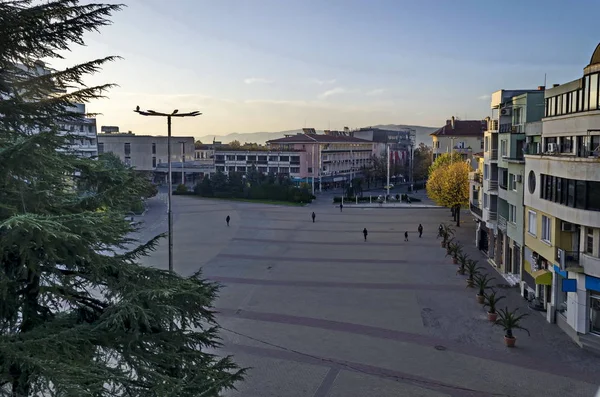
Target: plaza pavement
316	311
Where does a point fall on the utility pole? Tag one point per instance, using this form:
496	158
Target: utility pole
313	170
175	113
388	171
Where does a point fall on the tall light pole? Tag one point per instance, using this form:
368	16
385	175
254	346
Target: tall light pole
388	170
175	113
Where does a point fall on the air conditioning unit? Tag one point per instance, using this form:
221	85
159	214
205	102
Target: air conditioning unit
567	227
552	148
519	178
505	112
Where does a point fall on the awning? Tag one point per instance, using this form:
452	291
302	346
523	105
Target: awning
542	277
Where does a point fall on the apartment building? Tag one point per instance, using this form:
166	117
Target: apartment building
292	163
81	133
562	207
458	136
502	179
331	159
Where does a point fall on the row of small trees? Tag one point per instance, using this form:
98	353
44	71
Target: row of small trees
448	183
509	320
252	185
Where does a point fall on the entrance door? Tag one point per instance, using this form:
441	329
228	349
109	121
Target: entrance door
509	259
595	314
517	260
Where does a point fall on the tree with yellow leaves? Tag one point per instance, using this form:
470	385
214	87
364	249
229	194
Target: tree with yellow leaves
448	185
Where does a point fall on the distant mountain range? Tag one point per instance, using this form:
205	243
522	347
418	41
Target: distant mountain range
261	137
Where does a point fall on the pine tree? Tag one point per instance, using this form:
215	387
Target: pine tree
79	314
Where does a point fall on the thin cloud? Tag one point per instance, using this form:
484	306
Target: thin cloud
257	80
375	92
333	91
324	82
484	97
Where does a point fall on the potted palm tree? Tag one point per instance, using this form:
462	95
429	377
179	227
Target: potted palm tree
490	301
509	321
462	260
482	281
447	232
453	248
472	271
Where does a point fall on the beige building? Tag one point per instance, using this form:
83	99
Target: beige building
459	136
146	152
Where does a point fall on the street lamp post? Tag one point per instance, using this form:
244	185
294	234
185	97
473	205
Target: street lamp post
175	113
182	162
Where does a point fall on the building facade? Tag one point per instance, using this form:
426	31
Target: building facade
562	207
81	133
331	159
292	163
458	136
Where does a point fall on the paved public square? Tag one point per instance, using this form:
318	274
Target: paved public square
315	311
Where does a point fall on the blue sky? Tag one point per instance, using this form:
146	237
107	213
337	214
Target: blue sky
270	65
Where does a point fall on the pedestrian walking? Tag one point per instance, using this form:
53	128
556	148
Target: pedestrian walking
405	236
420	229
227	220
341	207
365	233
313	217
440	230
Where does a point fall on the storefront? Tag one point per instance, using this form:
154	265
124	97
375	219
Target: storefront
592	284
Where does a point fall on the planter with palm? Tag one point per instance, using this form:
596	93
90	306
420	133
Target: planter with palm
490	301
482	282
452	249
462	262
509	321
447	233
472	270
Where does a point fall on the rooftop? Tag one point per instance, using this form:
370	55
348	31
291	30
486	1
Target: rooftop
456	127
311	138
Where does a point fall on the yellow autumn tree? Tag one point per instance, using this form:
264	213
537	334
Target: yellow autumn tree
448	186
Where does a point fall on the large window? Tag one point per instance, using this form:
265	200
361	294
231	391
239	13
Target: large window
512	182
593	92
153	148
512	213
586	92
580	194
589	240
546	229
127	148
503	148
486	171
100	147
593	196
532	223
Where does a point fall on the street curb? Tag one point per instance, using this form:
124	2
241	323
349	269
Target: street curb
386	207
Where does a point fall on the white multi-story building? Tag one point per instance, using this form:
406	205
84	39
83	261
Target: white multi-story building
280	162
562	207
81	133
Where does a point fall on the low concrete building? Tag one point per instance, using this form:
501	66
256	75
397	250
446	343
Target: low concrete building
280	162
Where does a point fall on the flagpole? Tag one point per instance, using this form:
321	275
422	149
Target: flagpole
388	171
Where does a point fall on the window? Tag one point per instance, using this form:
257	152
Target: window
240	158
241	169
127	148
154	162
546	228
512	213
486	143
230	157
481	144
503	148
486	171
532	223
294	170
586	93
273	158
128	161
100	147
273	170
565	108
153	148
231	168
251	158
594	92
512	182
485	201
573	101
571	193
580	194
517	116
284	158
593	196
310	170
589	241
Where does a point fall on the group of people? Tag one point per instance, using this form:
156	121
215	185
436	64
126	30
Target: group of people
365	231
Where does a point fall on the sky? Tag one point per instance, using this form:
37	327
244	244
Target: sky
273	65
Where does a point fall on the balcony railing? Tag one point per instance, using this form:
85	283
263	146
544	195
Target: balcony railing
501	223
476	210
493	185
567	259
492	216
505	127
493	125
475	177
494	154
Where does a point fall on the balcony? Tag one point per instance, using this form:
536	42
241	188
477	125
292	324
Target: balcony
568	260
506	127
502	223
494	154
493	125
493	185
492	216
475	177
476	210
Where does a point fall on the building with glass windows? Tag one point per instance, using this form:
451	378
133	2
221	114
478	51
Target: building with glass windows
562	208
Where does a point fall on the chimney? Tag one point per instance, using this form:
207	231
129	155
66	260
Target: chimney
541	88
452	121
555	85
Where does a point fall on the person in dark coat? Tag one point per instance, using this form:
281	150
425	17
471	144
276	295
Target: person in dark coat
365	233
341	207
405	236
313	217
420	229
227	220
